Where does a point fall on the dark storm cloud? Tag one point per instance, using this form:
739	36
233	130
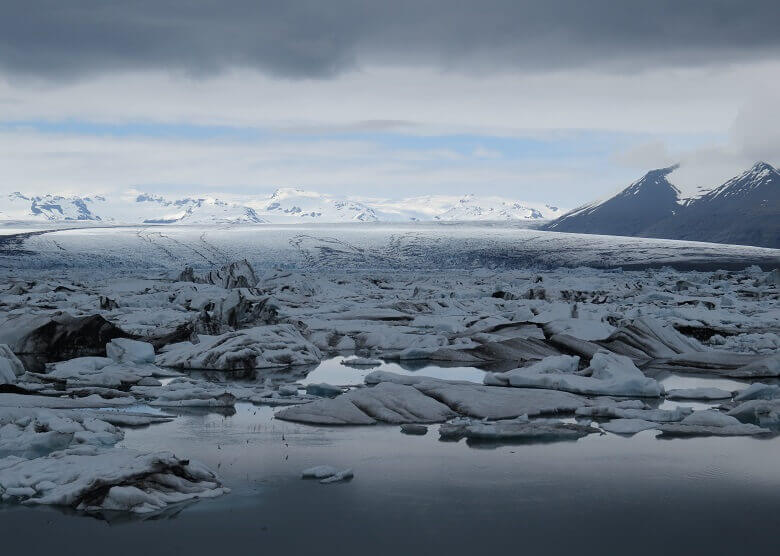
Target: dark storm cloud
71	38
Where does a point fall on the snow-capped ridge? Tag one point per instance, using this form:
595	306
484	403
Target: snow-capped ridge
284	205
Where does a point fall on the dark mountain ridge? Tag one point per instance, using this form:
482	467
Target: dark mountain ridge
745	210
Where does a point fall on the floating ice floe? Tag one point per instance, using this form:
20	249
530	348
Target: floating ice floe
386	402
518	429
361	362
608	374
654	415
34	432
186	392
758	391
124	350
260	347
698	394
413	429
416	399
327	474
494	402
103	372
736	365
92	479
711	423
63	402
491	402
324	390
764	412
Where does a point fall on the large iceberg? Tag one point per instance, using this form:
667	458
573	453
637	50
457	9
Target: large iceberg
608	374
260	347
91	479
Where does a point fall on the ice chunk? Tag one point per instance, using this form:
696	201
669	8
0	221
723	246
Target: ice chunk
62	402
494	402
580	328
698	394
102	371
608	374
418	430
553	364
760	411
92	480
318	472
758	391
655	415
10	366
766	366
239	274
385	402
32	432
648	338
187	392
124	350
323	390
711	423
361	362
518	429
343	475
327	474
260	347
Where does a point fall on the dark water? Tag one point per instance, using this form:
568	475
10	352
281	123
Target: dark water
417	495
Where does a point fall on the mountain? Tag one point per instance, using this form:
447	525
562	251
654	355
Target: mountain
158	210
471	207
641	204
285	205
139	209
17	206
745	210
296	205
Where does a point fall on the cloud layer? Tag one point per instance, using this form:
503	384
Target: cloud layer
553	101
320	39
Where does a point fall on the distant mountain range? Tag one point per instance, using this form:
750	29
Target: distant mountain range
286	205
744	211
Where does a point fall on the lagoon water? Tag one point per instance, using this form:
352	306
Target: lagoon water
602	494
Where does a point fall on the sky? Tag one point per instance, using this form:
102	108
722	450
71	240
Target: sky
553	101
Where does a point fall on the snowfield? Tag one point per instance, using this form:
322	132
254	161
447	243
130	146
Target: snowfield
536	338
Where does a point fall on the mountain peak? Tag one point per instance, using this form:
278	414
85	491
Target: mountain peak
742	210
761	165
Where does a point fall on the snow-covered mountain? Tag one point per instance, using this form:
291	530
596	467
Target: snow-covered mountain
285	205
137	209
17	206
157	210
471	207
295	205
743	210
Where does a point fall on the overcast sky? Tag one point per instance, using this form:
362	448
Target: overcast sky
555	101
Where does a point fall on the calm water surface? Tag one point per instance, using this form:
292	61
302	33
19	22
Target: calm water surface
418	495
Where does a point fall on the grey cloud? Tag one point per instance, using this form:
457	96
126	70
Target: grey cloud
319	39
